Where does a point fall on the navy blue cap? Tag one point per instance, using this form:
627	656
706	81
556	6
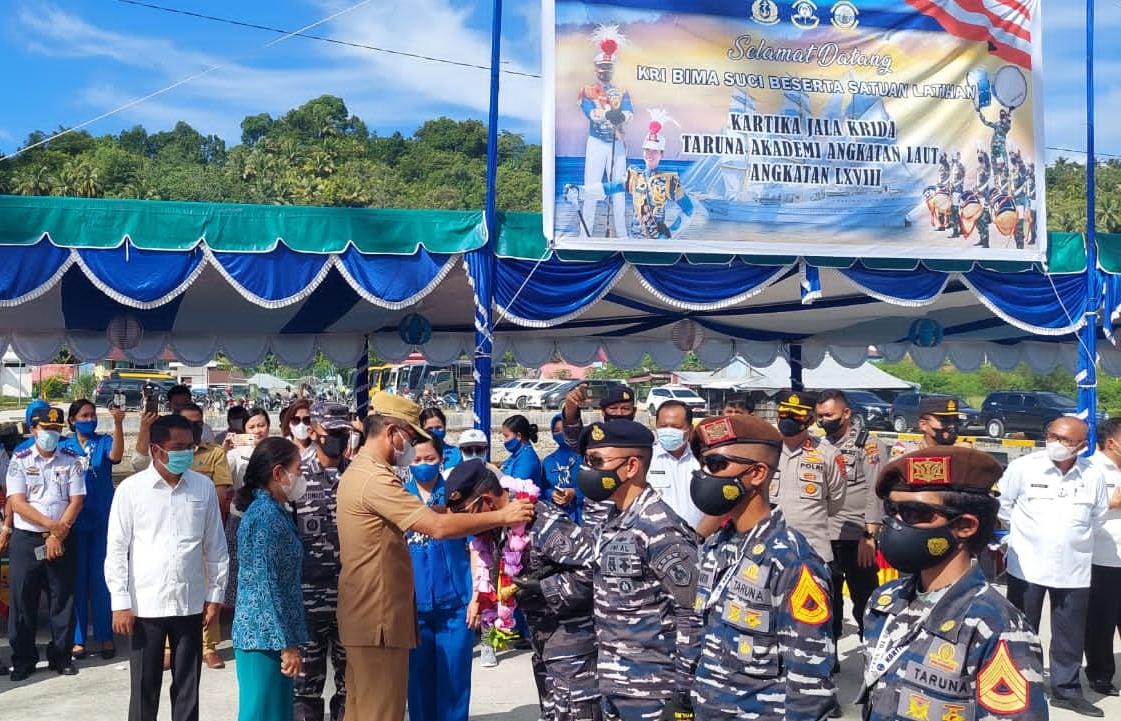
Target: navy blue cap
616	393
616	434
48	417
463	480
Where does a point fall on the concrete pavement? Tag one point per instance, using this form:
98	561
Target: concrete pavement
100	691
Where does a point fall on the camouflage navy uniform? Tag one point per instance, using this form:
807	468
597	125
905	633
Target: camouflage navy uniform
562	630
963	654
315	519
768	646
646	626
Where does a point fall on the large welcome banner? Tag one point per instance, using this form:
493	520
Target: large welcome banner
862	128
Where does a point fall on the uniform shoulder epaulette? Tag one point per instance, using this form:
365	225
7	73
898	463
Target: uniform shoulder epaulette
68	452
24	453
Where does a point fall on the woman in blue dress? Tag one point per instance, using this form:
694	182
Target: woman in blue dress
518	437
91	595
440	666
434	421
269	622
560	468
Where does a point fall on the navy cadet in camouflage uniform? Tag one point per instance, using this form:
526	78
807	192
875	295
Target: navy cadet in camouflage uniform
763	591
554	592
943	644
645	578
315	519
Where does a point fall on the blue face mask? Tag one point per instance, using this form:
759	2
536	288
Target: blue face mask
512	444
671	439
86	428
437	432
47	440
425	472
560	439
179	462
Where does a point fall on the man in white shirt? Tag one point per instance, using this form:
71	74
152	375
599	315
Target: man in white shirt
673	464
1103	617
1050	501
166	567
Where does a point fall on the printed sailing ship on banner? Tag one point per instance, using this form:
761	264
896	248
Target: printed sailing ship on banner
876	128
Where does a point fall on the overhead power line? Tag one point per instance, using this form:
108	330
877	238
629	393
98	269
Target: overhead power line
322	38
205	71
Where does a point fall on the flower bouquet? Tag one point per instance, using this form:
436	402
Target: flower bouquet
494	587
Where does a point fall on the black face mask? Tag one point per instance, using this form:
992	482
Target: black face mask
831	427
911	549
790	427
334	445
715	495
597	485
946	435
196	431
628	417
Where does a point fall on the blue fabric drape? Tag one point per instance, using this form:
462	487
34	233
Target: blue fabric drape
84	307
706	284
273	276
393	278
909	286
1034	299
144	276
27	268
555	289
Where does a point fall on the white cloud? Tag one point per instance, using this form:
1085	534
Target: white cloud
383	89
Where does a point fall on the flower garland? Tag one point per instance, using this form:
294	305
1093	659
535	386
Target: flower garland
496	601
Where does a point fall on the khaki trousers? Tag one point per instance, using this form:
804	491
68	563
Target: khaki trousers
377	681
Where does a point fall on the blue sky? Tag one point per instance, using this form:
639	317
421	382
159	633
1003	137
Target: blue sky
68	61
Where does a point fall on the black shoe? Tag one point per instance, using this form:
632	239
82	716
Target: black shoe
1077	704
20	674
836	711
67	670
1105	688
109	653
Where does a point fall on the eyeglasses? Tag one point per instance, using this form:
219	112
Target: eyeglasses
301	420
598	462
717	462
473	450
915	512
1069	443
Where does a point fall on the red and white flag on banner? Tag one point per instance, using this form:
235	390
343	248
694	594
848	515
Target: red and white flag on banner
1004	24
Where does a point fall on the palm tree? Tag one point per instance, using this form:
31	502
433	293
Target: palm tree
34	181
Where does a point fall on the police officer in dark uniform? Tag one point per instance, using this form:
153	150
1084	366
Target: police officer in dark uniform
763	591
645	579
555	593
315	520
618	403
943	644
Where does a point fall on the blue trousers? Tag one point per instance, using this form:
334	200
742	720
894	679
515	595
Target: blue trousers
90	591
440	667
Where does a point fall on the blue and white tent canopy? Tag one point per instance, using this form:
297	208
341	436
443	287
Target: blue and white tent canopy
199	279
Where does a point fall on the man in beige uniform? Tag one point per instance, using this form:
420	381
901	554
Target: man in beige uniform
939	421
808	486
377	611
854	529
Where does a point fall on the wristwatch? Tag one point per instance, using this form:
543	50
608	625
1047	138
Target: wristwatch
868	534
5	530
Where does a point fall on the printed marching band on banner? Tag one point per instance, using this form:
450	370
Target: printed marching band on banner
863	128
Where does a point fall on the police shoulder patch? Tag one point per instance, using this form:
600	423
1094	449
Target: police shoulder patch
1001	687
809	603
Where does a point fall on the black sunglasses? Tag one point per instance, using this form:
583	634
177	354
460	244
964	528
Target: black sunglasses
598	462
301	420
717	462
914	512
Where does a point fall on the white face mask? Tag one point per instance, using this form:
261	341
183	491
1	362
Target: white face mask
296	488
404	458
1058	453
300	431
